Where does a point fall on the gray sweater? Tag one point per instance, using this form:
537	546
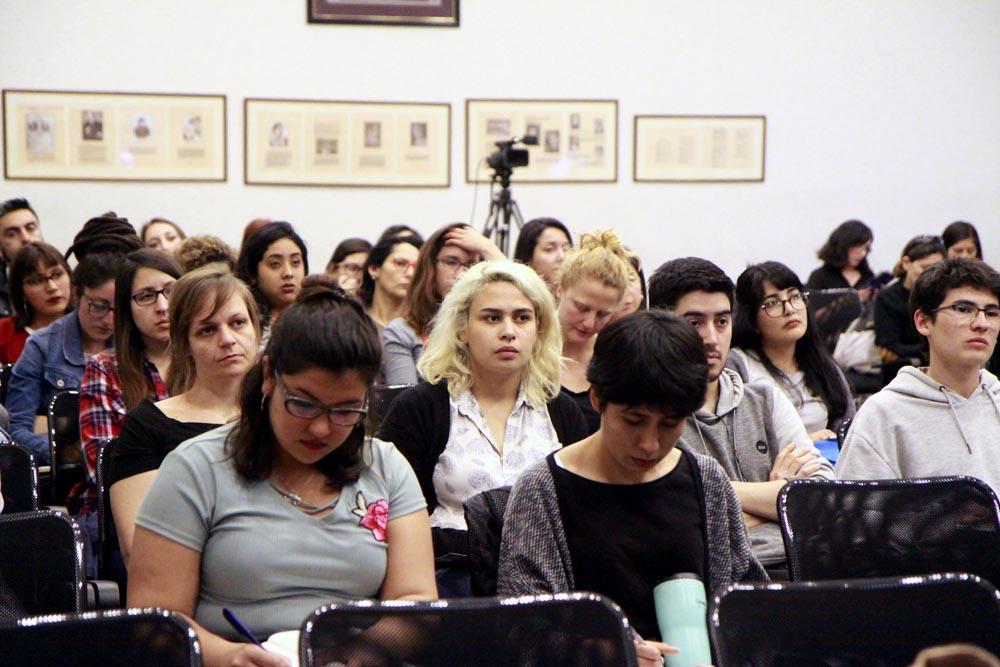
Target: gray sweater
401	349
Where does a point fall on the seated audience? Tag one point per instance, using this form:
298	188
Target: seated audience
291	506
666	511
162	234
386	278
897	339
252	226
446	254
401	231
774	341
962	240
635	295
542	244
53	359
752	430
273	261
348	262
40	293
592	283
491	405
845	260
18	226
213	320
942	419
116	380
197	251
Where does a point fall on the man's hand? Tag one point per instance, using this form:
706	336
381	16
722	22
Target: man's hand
794	462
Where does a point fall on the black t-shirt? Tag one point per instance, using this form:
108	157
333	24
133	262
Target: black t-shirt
147	436
582	399
624	539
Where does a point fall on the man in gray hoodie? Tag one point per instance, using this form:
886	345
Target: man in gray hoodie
752	430
943	419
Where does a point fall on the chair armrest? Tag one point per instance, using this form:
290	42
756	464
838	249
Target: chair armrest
102	594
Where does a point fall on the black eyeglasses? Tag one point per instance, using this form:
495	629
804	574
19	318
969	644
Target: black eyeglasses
36	279
98	308
303	408
454	263
966	312
775	307
148	297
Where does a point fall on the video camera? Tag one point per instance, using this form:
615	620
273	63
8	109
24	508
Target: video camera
508	157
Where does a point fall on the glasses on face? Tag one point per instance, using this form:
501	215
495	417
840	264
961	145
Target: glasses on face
966	312
148	297
775	307
37	279
454	263
302	408
402	263
348	267
98	309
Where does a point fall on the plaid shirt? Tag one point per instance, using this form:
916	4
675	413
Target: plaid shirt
102	411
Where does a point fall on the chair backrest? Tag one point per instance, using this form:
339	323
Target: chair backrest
833	311
484	520
852	623
5	371
551	631
842	428
380	397
109	560
64	438
119	638
41	564
18	478
856	529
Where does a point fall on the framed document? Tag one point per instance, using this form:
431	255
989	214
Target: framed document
577	139
699	149
373	144
64	135
385	12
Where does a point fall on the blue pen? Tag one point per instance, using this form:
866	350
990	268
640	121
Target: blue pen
237	624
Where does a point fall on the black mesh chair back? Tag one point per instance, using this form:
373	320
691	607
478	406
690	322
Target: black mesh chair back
41	564
18	479
484	520
5	371
842	428
380	397
120	638
551	631
64	443
879	622
110	564
833	311
856	529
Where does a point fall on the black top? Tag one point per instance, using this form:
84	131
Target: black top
582	400
830	277
147	436
894	328
657	532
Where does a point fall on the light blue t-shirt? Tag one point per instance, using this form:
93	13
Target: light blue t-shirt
269	562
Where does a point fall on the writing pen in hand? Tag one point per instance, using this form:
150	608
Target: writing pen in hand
237	625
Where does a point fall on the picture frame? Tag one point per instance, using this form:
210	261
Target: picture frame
699	149
577	138
425	13
114	136
340	143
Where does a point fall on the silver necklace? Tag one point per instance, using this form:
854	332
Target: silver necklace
297	501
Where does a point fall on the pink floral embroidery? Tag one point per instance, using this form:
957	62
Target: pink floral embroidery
374	517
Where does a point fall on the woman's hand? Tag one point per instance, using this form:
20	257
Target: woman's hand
650	653
474	243
825	434
249	655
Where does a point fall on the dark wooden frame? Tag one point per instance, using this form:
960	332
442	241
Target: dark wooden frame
387	13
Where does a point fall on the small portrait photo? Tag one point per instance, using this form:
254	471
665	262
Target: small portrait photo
191	128
418	134
326	146
574	121
599	150
598	126
38	132
532	130
498	126
141	126
93	125
574	143
279	136
552	141
373	135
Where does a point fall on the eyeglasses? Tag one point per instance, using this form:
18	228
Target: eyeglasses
98	308
454	263
36	279
148	297
966	312
302	408
775	307
350	267
402	263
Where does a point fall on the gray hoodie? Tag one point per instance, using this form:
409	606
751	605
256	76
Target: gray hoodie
917	427
751	424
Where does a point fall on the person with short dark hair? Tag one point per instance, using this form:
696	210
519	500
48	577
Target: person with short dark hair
624	509
961	239
752	430
291	506
845	259
347	263
273	261
941	419
400	231
18	226
40	292
542	244
386	277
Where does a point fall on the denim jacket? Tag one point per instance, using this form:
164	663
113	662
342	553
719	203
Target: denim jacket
52	361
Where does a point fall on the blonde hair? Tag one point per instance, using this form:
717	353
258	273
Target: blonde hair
446	357
600	256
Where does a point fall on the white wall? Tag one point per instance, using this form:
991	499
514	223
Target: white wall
885	110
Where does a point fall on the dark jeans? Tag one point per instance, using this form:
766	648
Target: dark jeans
453	582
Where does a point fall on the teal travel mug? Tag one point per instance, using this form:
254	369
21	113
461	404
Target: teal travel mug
682	614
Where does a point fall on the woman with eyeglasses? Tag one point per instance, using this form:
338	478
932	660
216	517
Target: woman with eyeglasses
40	293
387	276
291	506
444	257
118	379
774	341
215	328
273	261
348	262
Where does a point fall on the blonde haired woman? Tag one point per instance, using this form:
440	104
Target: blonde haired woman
491	405
592	284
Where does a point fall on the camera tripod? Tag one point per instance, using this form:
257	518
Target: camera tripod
503	210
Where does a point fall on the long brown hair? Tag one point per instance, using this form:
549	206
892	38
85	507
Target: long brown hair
422	298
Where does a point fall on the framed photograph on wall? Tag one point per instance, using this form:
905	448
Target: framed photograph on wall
577	139
385	12
341	143
96	136
699	149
